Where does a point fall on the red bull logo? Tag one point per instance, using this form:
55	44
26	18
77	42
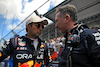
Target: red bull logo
26	64
30	64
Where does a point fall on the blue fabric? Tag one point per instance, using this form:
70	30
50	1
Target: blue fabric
11	61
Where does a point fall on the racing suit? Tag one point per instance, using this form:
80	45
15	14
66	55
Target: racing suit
24	51
86	53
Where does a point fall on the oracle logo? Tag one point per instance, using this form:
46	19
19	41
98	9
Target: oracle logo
24	56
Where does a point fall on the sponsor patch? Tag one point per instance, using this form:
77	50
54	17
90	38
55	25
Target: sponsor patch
24	56
21	48
21	43
97	37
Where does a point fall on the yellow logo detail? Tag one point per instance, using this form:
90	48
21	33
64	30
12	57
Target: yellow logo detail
0	54
26	64
50	57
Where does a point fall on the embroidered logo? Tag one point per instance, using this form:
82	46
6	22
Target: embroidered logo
97	37
21	48
21	43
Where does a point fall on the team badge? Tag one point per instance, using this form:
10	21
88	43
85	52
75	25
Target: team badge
21	43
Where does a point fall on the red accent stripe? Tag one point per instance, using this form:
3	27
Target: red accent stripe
19	48
44	45
16	41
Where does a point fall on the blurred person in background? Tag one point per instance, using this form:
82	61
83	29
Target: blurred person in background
53	54
99	29
60	50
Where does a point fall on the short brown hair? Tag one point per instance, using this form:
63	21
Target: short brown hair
68	9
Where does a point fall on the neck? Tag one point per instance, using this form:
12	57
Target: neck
74	26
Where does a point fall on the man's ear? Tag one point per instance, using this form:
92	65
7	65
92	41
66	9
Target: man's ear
67	16
28	27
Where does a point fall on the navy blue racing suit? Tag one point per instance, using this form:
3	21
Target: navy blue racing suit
84	54
24	51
